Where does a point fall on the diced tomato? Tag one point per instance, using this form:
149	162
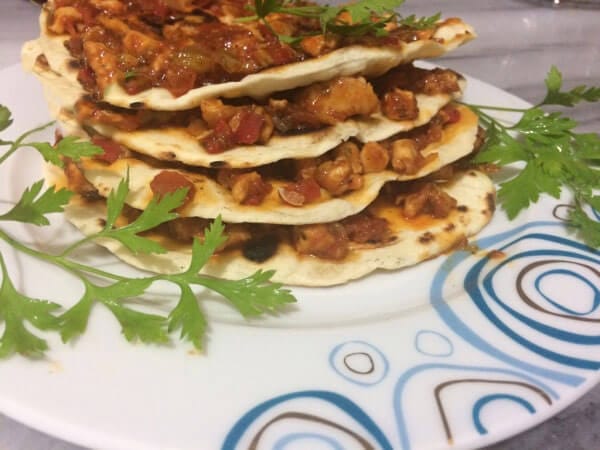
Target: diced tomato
220	139
88	13
180	80
87	78
300	193
112	150
453	115
168	181
159	9
248	130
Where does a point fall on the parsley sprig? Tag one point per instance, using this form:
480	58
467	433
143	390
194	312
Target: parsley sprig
555	156
21	314
366	17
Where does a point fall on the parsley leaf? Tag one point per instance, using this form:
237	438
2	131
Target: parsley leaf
254	295
70	147
251	296
588	229
32	207
158	211
136	325
500	148
366	17
555	96
5	118
188	316
363	11
201	252
554	154
15	310
421	23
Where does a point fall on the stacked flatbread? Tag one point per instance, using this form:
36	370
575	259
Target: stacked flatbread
326	159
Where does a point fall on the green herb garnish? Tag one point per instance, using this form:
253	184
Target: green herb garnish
555	156
367	16
20	314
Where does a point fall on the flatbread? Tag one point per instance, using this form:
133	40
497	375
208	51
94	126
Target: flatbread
212	199
412	245
176	144
346	61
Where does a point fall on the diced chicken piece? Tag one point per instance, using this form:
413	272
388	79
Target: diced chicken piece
399	104
186	5
249	188
406	159
306	168
102	62
430	82
290	118
328	241
117	26
140	44
64	19
429	199
337	100
439	81
283	24
319	45
427	135
364	228
374	157
111	6
350	152
214	110
337	177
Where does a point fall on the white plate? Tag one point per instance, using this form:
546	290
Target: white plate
460	351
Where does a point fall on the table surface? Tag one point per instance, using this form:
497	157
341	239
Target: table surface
518	42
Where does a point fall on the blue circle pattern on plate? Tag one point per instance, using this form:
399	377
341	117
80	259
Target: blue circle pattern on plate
595	303
493	397
341	361
432	343
347	407
516	379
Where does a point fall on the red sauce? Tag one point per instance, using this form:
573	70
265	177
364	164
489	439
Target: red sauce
167	182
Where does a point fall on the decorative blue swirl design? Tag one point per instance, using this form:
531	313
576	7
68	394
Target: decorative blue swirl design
419	344
403	431
475	292
471	286
592	286
363	364
370	376
293	437
490	398
344	404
